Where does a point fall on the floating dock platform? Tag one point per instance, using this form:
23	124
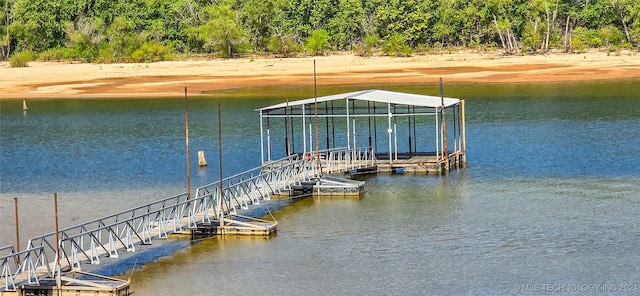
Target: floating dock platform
235	225
75	283
429	164
325	186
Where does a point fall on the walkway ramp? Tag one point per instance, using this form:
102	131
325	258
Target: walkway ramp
102	240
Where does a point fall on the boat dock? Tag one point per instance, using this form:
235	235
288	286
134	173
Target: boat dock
399	131
402	133
214	210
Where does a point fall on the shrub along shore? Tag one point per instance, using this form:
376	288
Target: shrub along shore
118	31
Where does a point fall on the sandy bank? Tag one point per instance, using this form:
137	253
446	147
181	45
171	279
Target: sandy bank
42	80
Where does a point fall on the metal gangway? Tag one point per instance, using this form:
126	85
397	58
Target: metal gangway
343	160
102	240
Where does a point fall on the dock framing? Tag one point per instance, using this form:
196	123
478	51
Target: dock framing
405	132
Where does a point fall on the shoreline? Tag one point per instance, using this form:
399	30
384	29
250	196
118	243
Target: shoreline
55	80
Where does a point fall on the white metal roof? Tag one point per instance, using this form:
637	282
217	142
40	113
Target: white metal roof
373	95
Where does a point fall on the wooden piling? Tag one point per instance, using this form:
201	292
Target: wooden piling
445	150
15	202
221	218
57	267
186	126
201	160
463	134
287	147
315	98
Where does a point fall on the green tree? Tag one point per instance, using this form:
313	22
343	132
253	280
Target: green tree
5	36
318	42
322	11
446	26
257	16
632	17
624	8
122	40
222	32
533	34
584	38
186	14
347	26
595	14
20	59
396	45
507	21
85	37
475	23
148	28
611	36
285	37
283	45
151	51
411	19
369	42
40	24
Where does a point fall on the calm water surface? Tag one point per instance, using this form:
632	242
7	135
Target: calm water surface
547	204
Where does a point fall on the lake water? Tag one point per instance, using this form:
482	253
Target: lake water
548	203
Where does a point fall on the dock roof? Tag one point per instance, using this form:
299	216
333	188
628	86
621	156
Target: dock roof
373	95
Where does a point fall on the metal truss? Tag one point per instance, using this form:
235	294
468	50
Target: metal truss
343	160
102	239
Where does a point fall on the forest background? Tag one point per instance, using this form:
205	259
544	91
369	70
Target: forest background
109	31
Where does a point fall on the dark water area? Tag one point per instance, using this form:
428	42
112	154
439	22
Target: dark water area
547	203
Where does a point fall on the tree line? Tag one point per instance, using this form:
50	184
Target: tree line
152	30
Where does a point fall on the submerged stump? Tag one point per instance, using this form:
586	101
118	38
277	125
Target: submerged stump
201	160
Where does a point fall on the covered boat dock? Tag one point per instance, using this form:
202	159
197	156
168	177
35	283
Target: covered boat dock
403	131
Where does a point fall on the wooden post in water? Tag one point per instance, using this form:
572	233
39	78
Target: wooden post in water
220	169
186	126
57	267
15	202
445	149
201	160
287	147
24	106
315	98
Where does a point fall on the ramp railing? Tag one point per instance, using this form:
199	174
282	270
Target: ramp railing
343	160
17	267
94	241
248	188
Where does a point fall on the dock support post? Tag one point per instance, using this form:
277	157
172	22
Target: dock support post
221	213
395	140
57	266
15	202
310	141
354	134
315	107
287	148
348	127
389	131
437	136
304	132
268	145
186	127
445	149
463	133
261	140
